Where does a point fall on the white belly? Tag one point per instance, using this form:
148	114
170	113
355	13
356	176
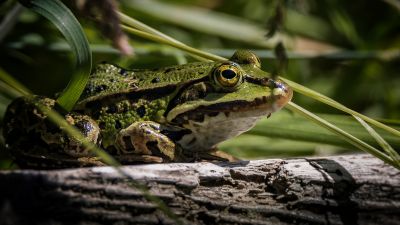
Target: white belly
213	130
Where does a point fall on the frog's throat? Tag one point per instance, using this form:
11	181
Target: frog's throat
212	129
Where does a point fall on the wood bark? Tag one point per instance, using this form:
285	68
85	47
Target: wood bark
349	189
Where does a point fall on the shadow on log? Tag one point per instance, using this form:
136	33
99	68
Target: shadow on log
351	189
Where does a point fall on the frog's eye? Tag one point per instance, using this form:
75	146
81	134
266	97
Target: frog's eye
246	57
228	75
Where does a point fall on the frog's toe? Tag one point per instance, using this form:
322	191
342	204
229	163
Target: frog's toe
145	138
213	155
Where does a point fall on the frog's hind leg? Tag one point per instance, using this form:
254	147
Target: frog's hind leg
52	135
90	131
33	140
145	139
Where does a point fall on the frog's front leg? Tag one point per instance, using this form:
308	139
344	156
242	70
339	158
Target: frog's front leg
146	138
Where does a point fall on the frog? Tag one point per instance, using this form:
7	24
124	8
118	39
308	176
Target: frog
171	114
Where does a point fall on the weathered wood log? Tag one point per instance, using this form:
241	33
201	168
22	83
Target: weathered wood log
351	189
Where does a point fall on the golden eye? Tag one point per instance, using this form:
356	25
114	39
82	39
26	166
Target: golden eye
228	75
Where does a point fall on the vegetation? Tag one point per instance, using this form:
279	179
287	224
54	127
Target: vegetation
340	50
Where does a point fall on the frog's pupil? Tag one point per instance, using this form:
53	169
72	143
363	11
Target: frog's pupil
228	74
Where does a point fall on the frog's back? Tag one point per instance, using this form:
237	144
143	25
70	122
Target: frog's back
108	79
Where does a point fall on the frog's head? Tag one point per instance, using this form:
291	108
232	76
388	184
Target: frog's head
227	102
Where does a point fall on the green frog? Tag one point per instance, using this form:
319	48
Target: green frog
173	114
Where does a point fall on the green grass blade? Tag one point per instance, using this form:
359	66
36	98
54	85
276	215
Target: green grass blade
125	19
317	28
68	25
322	98
291	126
176	44
343	23
206	21
248	146
341	133
6	78
143	27
385	146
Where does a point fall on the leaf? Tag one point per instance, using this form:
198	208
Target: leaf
341	133
68	25
382	142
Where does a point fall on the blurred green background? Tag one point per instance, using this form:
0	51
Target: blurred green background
348	51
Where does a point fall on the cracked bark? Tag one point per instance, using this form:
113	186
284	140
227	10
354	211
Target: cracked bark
351	189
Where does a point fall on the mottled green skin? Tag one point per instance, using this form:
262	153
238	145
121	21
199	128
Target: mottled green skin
109	80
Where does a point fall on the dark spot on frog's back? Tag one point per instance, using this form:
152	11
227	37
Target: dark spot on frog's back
101	88
155	80
134	86
95	105
102	125
123	72
89	89
141	111
112	109
117	124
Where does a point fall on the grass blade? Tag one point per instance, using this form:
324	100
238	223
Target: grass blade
385	146
143	27
176	44
68	25
341	133
322	98
203	20
291	126
6	78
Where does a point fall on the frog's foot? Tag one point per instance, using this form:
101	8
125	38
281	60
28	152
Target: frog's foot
130	159
145	138
90	161
216	155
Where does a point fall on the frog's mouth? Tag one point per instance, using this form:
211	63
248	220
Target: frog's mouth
258	107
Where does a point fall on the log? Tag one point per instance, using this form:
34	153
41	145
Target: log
348	189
